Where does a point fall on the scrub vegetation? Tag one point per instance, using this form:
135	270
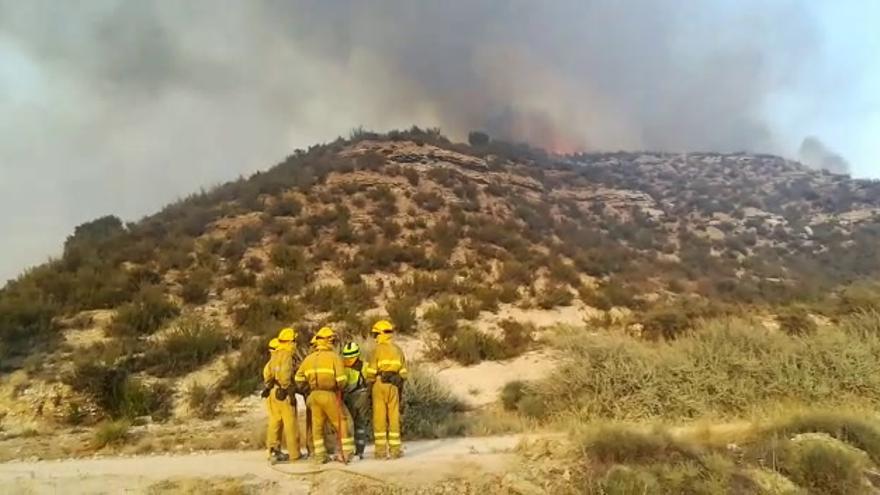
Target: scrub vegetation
671	252
723	368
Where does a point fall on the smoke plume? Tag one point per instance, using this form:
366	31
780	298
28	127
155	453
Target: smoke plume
113	106
658	74
815	154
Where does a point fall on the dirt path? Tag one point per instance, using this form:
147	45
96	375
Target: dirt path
425	463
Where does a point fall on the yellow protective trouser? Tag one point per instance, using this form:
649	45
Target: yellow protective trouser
386	419
282	416
325	408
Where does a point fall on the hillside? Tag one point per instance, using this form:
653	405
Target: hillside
471	249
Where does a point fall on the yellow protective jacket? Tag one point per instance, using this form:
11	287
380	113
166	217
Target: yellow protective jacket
280	367
387	357
322	370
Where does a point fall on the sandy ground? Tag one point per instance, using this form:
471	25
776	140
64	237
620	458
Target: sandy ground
425	463
480	384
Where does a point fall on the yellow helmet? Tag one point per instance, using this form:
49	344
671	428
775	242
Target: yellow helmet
325	333
383	326
273	344
287	335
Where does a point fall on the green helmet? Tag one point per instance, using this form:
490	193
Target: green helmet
351	350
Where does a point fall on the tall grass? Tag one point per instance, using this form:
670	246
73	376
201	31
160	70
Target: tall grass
724	368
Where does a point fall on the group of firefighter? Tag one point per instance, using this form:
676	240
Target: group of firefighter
338	391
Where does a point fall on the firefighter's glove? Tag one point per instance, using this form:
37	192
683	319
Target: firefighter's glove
281	393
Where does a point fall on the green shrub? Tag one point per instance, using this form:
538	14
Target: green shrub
488	298
796	320
430	410
254	312
203	401
849	428
299	236
554	295
402	312
190	344
508	293
241	278
623	480
26	321
860	296
822	467
285	207
443	318
244	372
469	308
613	444
517	336
412	176
533	406
512	393
288	257
862	323
286	282
196	286
667	322
118	394
425	285
469	346
110	433
429	201
144	315
325	298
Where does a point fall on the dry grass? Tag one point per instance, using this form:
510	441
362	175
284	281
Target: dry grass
725	368
110	433
790	454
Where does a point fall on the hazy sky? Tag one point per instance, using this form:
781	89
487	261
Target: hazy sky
119	107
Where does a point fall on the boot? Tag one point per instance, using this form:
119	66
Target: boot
274	455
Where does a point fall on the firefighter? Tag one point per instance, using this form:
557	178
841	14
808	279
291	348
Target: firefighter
386	370
356	396
280	402
324	373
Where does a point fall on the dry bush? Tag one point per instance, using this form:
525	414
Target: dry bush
190	344
621	377
144	315
796	320
118	394
554	295
196	286
402	312
431	411
110	433
203	401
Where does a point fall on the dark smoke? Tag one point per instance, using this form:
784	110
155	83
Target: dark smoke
120	106
815	154
653	74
